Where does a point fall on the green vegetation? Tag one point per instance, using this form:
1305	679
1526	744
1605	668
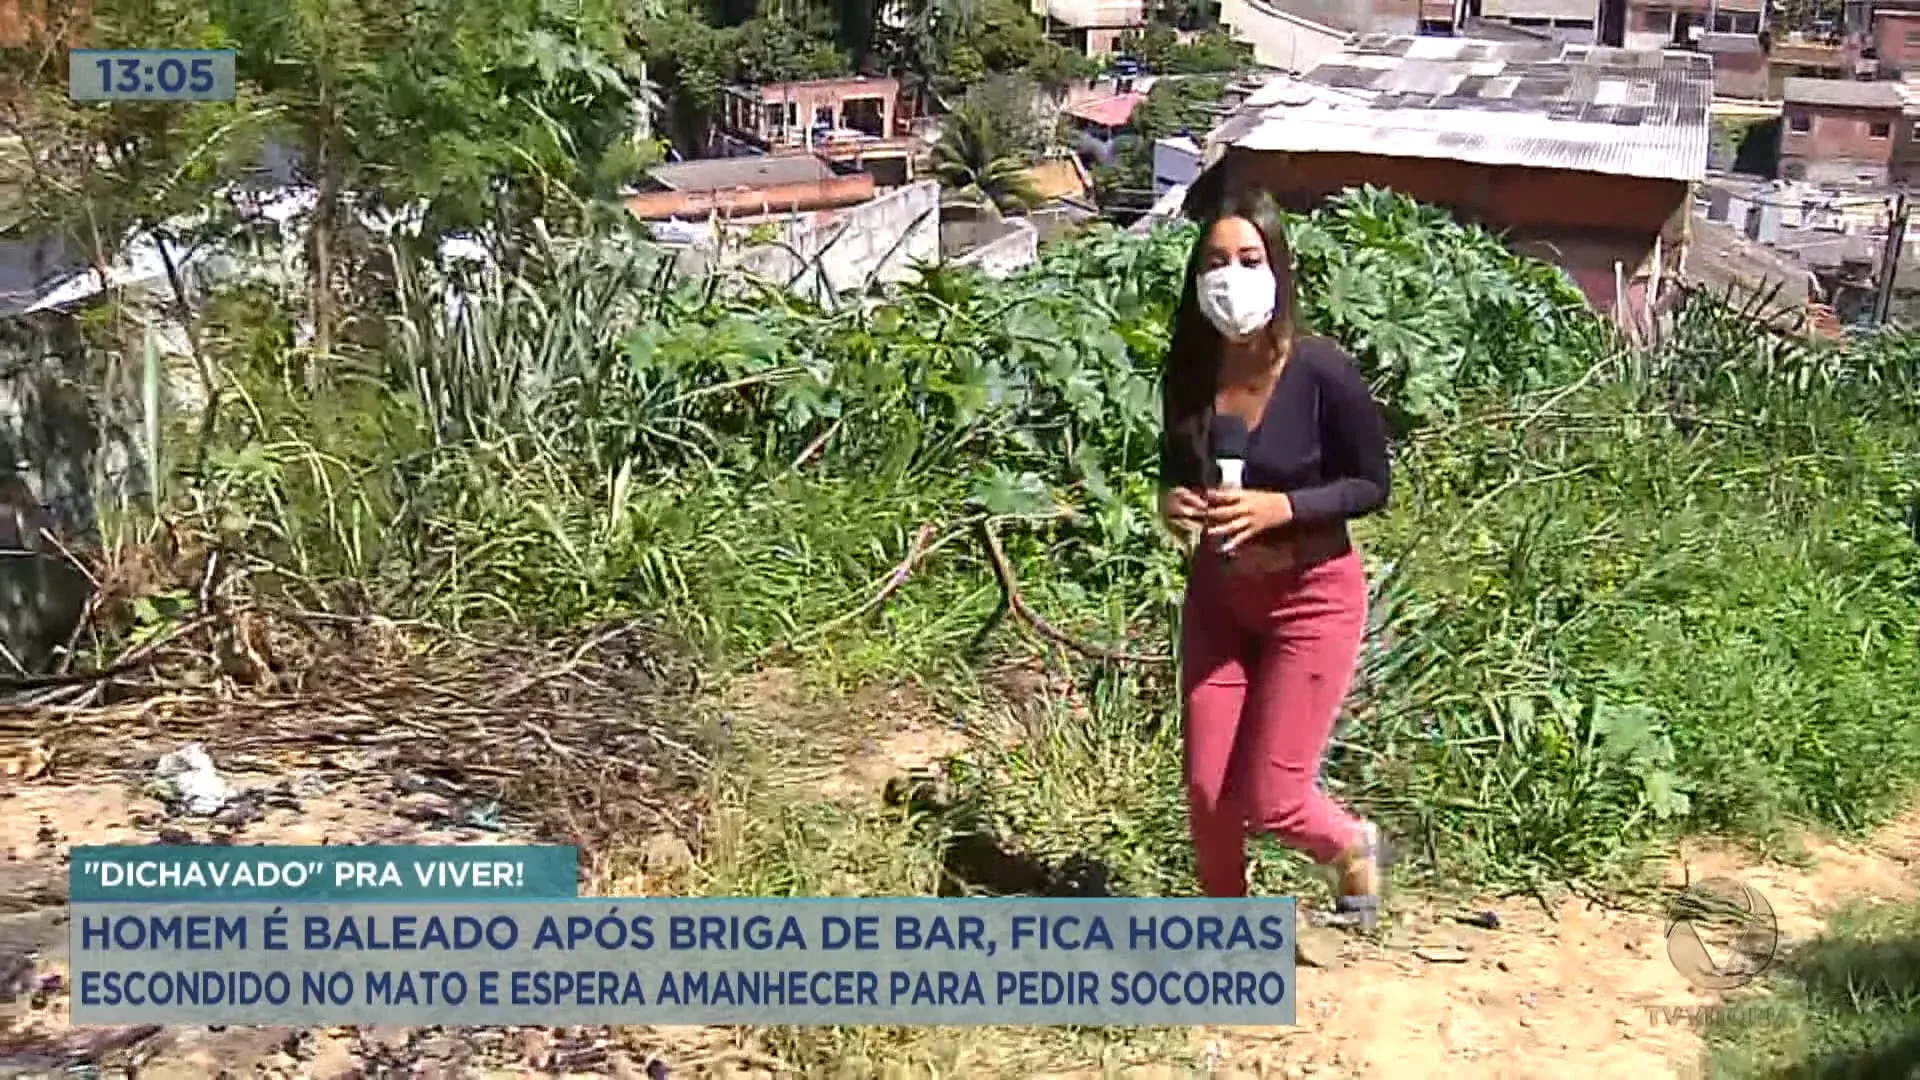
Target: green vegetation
1622	592
1584	643
1160	49
1172	106
1843	1006
975	160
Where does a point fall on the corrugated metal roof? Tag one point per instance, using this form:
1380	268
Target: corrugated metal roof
1843	93
727	174
1496	103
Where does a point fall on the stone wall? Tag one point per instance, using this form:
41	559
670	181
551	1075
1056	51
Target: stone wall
62	455
53	429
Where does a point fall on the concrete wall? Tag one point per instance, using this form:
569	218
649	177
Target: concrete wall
830	252
1279	38
1502	198
1017	247
1093	14
1175	162
1346	16
1740	75
75	456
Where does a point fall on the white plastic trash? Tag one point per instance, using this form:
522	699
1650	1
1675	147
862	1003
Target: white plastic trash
188	776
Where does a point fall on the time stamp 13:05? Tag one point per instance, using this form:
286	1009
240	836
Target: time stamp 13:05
150	75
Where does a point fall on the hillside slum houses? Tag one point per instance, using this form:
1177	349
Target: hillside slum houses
1581	155
1824	110
1609	161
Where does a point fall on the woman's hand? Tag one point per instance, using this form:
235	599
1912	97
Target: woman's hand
1238	515
1183	506
1186	513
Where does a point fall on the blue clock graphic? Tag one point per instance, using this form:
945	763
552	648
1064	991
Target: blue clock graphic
151	75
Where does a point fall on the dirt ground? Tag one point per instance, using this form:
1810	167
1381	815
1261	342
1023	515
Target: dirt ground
1581	990
1578	991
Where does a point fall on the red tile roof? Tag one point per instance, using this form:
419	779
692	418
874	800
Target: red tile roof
1110	112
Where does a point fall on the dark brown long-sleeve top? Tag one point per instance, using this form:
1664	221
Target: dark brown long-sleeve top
1322	441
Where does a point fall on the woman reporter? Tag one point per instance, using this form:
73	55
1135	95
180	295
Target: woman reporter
1276	599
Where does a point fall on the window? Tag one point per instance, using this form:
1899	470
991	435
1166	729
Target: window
1913	39
1800	121
1880	129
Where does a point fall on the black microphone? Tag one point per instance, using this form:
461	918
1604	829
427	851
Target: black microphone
1229	438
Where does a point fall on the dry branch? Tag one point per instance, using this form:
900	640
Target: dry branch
1017	603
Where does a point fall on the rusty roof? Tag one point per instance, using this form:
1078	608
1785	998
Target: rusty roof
1721	256
1843	93
1577	107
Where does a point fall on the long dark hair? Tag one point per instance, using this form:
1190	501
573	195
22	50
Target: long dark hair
1191	377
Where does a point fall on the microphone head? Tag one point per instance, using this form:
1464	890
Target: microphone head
1229	437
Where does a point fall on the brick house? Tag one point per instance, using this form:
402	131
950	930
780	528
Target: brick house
851	121
1841	131
1896	41
1739	64
797	113
1795	59
1376	16
1582	156
1564	20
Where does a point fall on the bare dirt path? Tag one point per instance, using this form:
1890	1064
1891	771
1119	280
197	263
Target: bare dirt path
1581	990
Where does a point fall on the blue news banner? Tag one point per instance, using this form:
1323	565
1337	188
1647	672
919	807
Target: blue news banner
310	937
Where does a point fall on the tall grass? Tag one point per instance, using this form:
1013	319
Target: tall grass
1619	594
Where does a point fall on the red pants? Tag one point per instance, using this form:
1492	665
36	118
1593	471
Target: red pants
1266	660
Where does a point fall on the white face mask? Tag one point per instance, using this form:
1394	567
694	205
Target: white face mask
1237	299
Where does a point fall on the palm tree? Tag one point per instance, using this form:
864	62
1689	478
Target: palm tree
972	161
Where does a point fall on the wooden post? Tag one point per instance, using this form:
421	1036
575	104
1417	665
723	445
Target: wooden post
1890	259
